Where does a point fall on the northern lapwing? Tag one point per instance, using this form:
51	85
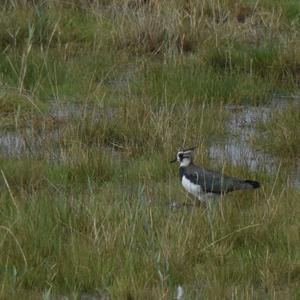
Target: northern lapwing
205	183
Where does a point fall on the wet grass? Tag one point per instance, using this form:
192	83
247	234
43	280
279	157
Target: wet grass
281	134
85	205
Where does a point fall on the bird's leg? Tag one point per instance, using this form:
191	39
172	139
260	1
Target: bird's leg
188	201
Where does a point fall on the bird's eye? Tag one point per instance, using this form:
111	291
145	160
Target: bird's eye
180	155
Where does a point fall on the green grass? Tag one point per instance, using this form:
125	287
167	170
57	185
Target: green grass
281	134
120	241
191	80
85	207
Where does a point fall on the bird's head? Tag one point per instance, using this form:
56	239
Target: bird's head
184	157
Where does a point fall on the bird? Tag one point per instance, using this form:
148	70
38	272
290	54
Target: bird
204	184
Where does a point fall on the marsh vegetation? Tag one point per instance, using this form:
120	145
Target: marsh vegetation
96	97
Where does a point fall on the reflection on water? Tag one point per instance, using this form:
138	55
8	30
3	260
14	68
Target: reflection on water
38	138
45	137
236	147
11	143
16	143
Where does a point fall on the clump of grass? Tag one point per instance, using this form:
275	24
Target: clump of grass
74	25
22	174
138	127
192	79
84	166
153	28
79	171
12	103
18	110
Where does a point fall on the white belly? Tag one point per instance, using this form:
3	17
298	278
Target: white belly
192	188
195	189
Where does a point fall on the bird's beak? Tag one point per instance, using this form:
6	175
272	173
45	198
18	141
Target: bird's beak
173	160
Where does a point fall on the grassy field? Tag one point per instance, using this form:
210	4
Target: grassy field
96	97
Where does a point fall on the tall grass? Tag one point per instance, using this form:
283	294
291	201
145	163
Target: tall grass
127	241
51	43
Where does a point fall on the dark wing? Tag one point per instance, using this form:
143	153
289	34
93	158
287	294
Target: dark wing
214	182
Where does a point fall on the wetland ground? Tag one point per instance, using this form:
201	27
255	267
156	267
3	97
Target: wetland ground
95	99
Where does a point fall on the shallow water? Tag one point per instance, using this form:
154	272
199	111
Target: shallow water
11	143
235	148
31	140
45	139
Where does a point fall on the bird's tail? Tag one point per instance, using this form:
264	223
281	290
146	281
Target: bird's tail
251	184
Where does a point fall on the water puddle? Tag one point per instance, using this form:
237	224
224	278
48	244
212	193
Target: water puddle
235	149
67	110
44	137
11	143
35	137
